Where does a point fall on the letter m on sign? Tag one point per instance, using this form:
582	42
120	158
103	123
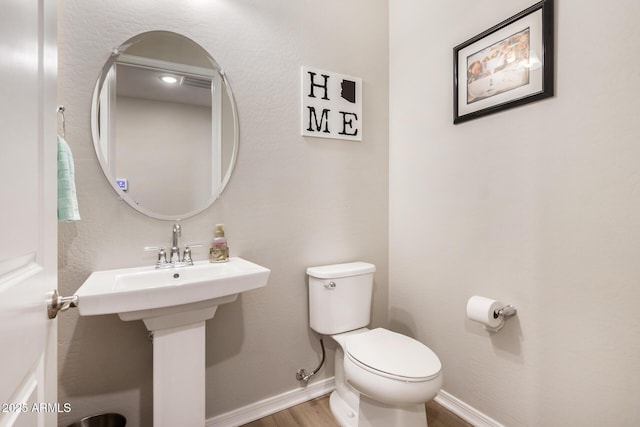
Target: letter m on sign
315	124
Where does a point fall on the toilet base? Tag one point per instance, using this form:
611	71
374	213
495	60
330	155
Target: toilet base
375	414
342	412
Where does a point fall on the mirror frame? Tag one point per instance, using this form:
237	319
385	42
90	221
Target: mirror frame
95	132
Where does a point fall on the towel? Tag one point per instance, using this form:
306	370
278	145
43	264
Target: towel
67	200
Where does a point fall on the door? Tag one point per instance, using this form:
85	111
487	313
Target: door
28	215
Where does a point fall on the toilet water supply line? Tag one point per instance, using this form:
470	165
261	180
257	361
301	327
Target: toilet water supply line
302	375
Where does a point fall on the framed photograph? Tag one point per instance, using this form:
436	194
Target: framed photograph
508	65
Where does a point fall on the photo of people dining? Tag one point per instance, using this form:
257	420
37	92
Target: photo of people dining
499	68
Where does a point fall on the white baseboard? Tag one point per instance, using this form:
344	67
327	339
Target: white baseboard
271	405
464	411
274	404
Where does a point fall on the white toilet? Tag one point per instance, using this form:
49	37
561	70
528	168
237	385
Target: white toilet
382	378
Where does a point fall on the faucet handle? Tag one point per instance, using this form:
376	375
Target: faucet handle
162	255
162	258
186	256
186	253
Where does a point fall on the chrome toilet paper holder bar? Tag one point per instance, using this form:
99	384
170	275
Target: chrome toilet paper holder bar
506	311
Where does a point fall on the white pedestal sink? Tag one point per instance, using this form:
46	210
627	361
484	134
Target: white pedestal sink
174	304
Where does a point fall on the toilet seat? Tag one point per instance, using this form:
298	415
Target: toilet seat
393	355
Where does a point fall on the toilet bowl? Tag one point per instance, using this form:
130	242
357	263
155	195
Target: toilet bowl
392	368
382	378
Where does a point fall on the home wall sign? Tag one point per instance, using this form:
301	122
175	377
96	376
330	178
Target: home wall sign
331	105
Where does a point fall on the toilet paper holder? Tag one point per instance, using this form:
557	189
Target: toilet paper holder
506	311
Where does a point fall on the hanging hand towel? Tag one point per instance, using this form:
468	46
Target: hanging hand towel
67	200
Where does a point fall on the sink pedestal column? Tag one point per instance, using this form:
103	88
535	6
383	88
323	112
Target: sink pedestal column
179	367
179	376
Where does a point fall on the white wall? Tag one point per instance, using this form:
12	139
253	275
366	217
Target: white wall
538	206
292	201
157	141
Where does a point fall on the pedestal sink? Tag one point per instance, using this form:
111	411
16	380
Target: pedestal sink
174	304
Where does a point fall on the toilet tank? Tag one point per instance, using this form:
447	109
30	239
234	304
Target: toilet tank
340	297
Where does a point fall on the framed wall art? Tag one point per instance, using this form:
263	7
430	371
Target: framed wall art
331	105
508	65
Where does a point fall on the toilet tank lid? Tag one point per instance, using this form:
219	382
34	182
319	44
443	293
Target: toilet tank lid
335	271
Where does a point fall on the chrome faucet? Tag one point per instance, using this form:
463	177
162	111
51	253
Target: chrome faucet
174	259
175	250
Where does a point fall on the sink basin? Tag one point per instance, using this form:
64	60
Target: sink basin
144	292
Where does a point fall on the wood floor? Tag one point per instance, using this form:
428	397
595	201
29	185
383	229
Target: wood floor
316	413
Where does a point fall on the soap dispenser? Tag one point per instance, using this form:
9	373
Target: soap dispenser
219	251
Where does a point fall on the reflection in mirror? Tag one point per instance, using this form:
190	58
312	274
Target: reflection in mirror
164	125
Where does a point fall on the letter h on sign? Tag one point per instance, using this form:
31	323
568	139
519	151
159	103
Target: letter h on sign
331	105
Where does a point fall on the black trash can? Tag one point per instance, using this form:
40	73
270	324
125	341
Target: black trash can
102	420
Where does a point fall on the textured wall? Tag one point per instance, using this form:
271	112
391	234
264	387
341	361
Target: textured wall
536	205
292	202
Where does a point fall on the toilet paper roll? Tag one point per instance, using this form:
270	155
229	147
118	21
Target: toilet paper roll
481	309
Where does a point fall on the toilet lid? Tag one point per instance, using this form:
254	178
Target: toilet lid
393	354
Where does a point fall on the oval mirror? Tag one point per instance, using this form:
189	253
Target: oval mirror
164	125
